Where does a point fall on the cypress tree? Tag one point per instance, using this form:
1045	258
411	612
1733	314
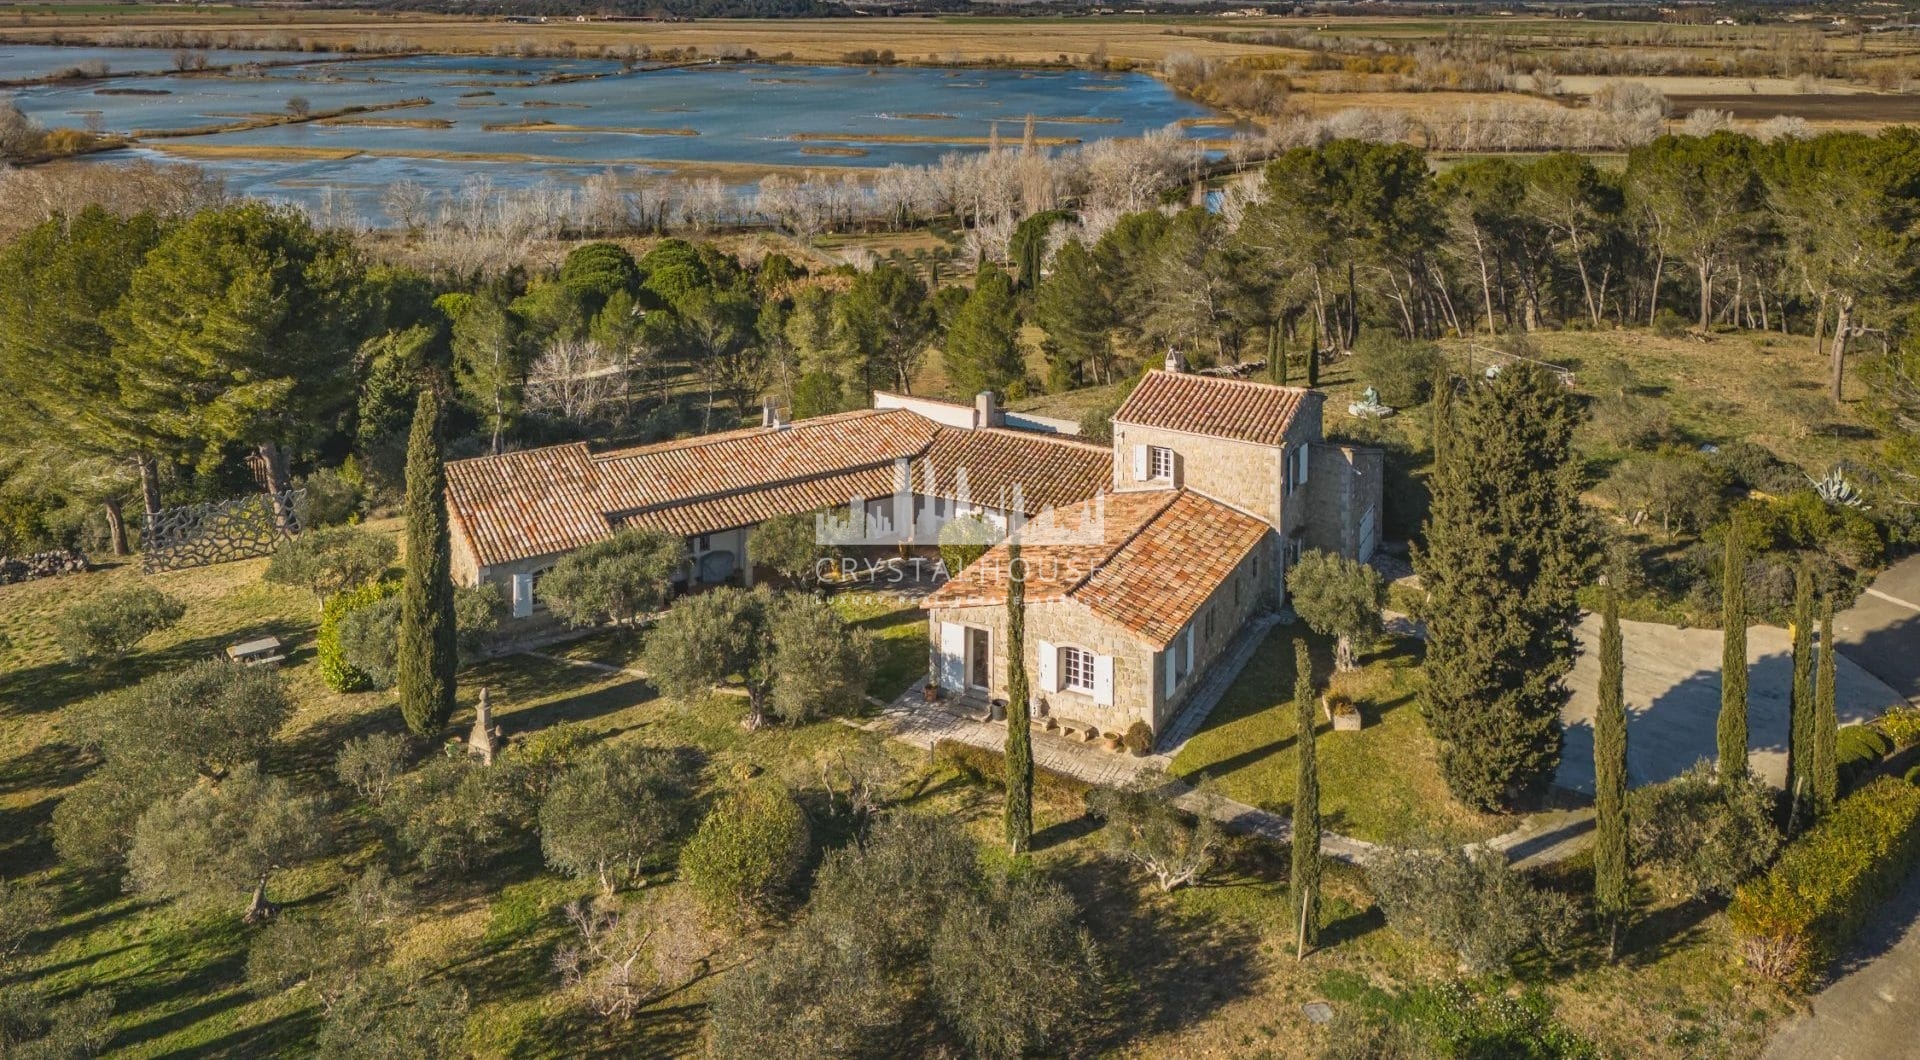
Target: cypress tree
427	651
1826	720
1733	654
1304	882
1507	548
1442	424
1800	702
1611	894
1019	725
1276	355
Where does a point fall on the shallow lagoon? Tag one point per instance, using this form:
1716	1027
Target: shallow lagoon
717	113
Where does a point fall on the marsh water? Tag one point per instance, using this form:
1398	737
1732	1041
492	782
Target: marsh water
442	119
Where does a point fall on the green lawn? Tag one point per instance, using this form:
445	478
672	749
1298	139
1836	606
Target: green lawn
1381	783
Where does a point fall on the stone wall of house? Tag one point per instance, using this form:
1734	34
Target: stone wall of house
1344	483
1139	683
1245	592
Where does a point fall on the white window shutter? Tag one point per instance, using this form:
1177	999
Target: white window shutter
953	655
1179	469
1103	680
1140	470
1171	661
1300	476
522	595
1049	667
1189	637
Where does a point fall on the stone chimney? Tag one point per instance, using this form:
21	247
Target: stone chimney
1175	362
772	416
987	411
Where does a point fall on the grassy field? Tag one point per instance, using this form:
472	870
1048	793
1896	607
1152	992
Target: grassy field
1382	783
1203	971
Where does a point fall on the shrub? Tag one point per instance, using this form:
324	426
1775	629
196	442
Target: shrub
1790	923
342	642
1700	835
746	852
1902	726
368	634
1668	324
332	560
108	626
1138	738
1474	904
332	498
370	764
1857	750
1754	466
1400	369
983	766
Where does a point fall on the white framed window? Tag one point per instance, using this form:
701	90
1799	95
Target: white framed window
1077	669
1160	461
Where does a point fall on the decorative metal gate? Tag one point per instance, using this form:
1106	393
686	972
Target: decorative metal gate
195	535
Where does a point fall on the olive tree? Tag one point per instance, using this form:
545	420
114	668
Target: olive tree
23	911
370	635
33	1026
1337	597
1144	829
790	546
202	720
1471	902
109	625
616	580
331	953
611	813
217	843
1701	834
395	1016
796	656
332	560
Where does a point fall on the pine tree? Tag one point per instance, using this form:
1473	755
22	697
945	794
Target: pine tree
428	648
1733	654
1800	703
1611	895
1304	882
1826	721
1507	549
1313	358
1019	724
981	350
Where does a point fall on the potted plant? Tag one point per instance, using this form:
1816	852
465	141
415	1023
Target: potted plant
1342	711
1111	742
932	689
1138	739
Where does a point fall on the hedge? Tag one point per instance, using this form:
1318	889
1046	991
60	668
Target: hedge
1858	751
990	767
334	668
1790	924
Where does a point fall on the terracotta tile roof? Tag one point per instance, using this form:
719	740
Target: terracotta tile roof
1161	555
746	507
545	501
530	503
740	460
1223	408
1048	471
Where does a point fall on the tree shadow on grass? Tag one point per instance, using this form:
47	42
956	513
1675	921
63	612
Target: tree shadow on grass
276	1037
52	686
1171	967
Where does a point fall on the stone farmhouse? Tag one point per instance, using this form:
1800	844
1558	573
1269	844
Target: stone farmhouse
1144	558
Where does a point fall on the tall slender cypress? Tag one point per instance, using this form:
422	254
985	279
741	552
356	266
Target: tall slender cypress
1019	725
1800	703
1442	424
1611	894
427	653
1304	882
1733	653
1276	355
1826	720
